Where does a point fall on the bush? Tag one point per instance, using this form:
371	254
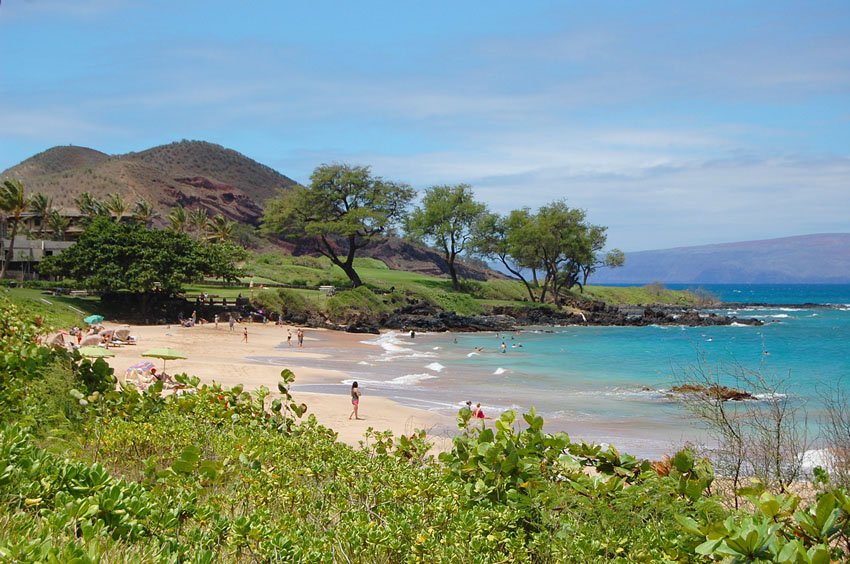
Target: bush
351	305
288	302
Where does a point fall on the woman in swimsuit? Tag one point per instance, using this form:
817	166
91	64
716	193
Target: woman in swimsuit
355	400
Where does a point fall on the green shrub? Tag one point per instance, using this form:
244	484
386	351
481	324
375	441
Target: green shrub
352	304
282	300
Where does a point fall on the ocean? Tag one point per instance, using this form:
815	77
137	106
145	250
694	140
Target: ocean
610	384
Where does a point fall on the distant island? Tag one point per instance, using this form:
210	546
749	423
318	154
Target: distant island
805	259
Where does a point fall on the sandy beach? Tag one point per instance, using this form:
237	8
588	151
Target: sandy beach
220	355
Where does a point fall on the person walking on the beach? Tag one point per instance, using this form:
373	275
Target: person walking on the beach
245	335
289	337
194	317
215	319
300	335
355	400
231	322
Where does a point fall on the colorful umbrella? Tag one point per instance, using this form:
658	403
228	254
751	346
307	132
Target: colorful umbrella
165	353
143	366
93	319
95	352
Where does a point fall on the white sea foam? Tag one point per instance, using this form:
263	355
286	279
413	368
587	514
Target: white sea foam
472	354
405	381
364	363
437	348
391	344
817	457
499	370
435	366
766	397
411	379
739	325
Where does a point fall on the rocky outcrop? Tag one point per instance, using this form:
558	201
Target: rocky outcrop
422	316
448	321
715	391
601	314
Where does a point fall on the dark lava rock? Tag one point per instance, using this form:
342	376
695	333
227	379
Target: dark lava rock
715	391
363	326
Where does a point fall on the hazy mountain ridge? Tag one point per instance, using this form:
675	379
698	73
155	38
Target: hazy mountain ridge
806	259
191	173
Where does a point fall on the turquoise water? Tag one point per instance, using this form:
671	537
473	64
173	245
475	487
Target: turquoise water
608	383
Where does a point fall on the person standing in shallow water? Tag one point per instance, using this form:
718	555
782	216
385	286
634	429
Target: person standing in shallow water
355	400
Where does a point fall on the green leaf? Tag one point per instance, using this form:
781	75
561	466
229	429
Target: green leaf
689	525
683	460
709	547
191	454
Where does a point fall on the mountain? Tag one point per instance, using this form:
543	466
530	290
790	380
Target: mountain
805	259
191	173
198	174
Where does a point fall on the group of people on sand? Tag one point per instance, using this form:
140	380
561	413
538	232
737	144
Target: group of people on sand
299	334
477	411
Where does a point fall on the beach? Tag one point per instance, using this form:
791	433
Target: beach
220	355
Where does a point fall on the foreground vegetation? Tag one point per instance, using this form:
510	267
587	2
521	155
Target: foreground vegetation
88	473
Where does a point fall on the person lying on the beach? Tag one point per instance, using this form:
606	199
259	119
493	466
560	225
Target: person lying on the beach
163	377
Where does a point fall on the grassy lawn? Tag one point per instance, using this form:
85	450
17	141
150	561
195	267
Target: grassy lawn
476	297
56	311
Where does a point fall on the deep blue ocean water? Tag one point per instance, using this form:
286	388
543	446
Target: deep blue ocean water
609	383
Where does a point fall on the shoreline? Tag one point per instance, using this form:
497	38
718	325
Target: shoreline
220	355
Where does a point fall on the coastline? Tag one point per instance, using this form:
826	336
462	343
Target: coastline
220	355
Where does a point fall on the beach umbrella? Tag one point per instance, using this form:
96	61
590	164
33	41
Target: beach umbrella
95	352
143	366
165	353
94	319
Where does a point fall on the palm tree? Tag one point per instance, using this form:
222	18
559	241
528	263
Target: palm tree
221	228
59	225
199	219
116	205
13	202
143	212
177	219
41	206
90	206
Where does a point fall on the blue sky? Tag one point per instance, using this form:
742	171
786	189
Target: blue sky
673	123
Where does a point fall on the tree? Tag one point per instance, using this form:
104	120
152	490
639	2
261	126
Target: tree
178	219
13	202
41	206
110	256
144	213
221	228
116	205
510	239
220	260
90	207
199	219
58	225
342	210
447	218
596	239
